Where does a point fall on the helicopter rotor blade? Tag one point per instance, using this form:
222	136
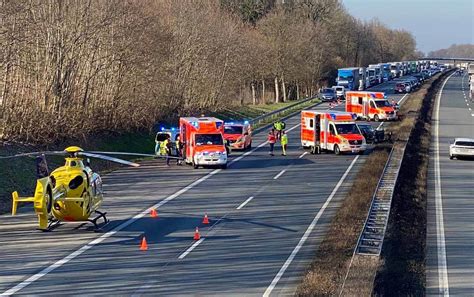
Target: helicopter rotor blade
108	158
34	154
133	154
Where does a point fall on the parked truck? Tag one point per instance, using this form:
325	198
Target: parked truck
395	69
349	78
386	75
378	73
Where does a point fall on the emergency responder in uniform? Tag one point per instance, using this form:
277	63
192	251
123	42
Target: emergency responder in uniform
165	149
271	140
284	142
279	126
179	149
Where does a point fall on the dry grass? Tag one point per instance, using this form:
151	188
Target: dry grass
328	269
403	271
331	263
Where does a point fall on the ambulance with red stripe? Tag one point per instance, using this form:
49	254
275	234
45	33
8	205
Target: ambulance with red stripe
239	135
370	105
203	140
331	131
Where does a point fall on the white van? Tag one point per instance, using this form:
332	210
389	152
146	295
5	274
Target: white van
340	92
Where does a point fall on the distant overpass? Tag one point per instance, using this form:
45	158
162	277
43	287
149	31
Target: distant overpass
449	59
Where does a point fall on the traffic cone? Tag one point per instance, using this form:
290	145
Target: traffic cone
197	236
144	245
205	221
154	213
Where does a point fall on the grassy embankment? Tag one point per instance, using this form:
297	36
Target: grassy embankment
333	258
19	174
404	253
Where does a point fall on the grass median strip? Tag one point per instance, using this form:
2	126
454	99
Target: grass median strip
333	258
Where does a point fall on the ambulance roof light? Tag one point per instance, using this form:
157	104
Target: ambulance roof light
173	128
246	122
162	128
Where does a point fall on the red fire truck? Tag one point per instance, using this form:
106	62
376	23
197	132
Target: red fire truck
203	141
331	131
370	105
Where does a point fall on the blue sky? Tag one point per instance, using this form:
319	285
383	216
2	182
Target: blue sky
435	24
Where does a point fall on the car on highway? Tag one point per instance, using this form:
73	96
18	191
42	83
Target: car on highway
370	134
461	148
239	135
402	88
327	94
340	92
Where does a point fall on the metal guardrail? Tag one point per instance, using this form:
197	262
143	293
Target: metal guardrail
372	236
275	113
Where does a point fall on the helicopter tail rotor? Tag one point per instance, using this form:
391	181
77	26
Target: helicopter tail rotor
42	201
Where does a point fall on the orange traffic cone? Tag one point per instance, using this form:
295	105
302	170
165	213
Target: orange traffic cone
144	245
154	213
197	236
205	220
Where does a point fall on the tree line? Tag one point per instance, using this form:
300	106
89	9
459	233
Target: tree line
77	67
455	51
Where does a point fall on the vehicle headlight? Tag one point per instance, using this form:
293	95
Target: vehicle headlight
344	141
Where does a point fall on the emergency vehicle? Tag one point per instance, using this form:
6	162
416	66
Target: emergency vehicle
239	135
370	106
162	135
331	131
203	140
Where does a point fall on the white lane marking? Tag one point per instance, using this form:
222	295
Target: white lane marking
125	224
308	231
245	202
470	109
279	174
441	244
472	114
191	248
302	155
98	240
403	98
380	125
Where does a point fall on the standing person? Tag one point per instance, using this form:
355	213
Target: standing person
167	149
271	140
179	149
278	127
284	142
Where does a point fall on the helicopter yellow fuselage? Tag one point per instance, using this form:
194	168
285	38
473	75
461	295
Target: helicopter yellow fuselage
70	193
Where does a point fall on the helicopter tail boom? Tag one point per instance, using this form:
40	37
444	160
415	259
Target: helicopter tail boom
17	199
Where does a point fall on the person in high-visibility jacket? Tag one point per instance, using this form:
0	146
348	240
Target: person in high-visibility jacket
284	142
165	149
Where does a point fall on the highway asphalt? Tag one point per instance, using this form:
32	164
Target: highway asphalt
268	215
450	239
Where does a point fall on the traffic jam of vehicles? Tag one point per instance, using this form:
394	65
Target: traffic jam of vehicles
208	141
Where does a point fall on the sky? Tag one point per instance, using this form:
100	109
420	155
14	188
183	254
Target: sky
435	24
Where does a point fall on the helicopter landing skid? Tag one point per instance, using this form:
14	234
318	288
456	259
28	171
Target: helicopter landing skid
94	221
52	224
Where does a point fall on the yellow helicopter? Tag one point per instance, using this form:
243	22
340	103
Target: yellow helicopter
70	193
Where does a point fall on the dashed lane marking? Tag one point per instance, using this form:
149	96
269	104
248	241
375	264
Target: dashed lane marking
191	248
245	202
308	231
279	174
